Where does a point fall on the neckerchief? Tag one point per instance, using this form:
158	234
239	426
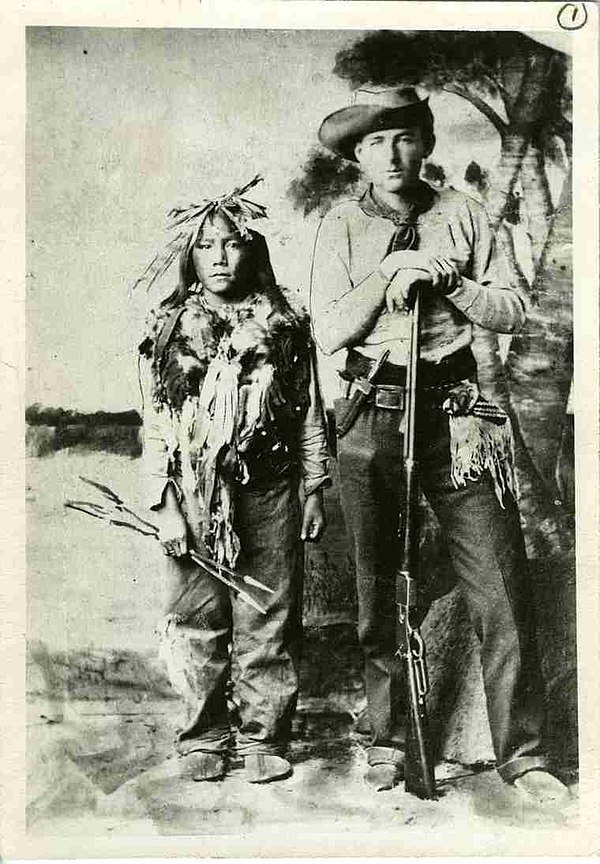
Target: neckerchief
406	235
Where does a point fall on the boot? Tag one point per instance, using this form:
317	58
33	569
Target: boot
386	768
542	788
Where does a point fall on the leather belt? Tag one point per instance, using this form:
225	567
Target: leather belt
390	396
455	367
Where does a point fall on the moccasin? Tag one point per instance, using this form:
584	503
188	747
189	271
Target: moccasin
266	768
203	766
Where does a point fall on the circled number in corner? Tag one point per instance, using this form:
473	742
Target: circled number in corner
572	16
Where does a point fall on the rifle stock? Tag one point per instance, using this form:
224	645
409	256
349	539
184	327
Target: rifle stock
419	776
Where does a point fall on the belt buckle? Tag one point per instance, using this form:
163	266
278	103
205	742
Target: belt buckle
392	400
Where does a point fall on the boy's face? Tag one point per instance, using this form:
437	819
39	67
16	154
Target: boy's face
221	259
391	159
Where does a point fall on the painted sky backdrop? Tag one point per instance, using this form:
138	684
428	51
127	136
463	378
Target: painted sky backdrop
122	124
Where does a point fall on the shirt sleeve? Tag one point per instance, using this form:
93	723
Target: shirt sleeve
158	444
330	280
312	444
487	296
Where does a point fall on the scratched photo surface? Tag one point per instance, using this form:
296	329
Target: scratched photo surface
122	126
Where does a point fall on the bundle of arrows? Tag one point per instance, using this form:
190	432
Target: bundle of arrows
115	512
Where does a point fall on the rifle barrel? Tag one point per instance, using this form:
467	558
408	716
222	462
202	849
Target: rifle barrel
411	380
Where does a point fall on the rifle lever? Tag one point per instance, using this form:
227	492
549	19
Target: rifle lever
417	650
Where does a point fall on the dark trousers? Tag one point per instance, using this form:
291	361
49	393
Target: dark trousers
486	546
208	631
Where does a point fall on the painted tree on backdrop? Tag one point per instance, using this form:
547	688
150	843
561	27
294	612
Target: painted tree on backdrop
521	88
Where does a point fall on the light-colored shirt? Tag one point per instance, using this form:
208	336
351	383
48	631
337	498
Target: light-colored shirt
352	242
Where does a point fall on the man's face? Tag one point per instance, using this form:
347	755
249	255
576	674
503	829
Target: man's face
221	257
391	159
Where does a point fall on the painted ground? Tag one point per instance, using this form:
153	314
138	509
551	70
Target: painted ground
101	716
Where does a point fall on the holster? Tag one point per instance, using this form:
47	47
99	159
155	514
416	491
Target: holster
346	421
363	388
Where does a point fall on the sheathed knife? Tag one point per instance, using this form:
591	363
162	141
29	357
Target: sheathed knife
364	388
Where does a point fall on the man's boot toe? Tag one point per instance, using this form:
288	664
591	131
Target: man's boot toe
384	776
543	788
386	768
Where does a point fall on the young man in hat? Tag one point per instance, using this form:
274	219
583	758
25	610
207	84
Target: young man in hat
371	254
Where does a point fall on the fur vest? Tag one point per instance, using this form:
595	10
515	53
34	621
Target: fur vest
234	381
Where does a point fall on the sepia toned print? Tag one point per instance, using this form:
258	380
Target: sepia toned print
215	642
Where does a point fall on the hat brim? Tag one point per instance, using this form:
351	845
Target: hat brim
342	130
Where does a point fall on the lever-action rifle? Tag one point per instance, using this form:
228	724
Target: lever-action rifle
419	778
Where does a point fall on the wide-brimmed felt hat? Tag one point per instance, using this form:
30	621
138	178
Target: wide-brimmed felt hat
373	108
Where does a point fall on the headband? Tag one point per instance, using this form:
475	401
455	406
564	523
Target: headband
185	223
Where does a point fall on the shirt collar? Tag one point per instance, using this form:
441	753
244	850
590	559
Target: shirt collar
420	202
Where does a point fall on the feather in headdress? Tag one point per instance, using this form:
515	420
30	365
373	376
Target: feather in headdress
185	224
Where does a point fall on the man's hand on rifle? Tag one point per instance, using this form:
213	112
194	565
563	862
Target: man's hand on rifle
441	273
401	290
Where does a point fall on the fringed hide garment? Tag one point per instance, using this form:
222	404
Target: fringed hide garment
234	380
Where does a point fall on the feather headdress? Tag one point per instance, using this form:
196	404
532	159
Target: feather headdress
185	224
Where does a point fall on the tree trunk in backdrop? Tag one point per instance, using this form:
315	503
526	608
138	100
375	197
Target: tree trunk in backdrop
538	201
524	115
539	366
